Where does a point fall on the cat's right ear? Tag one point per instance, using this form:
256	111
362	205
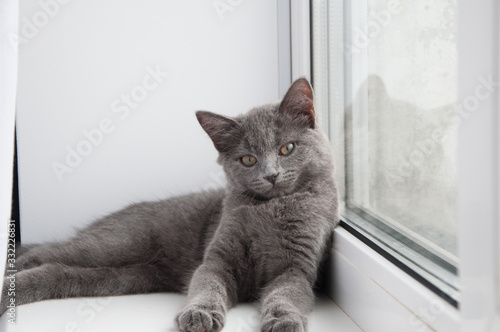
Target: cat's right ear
298	103
224	132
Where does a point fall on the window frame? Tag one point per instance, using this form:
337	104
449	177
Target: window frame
294	42
363	283
430	264
479	168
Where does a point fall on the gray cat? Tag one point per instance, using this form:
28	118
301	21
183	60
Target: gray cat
263	237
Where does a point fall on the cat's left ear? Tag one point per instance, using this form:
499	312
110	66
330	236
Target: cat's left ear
224	132
299	103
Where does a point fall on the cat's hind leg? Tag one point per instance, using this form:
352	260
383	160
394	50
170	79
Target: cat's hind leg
55	281
123	238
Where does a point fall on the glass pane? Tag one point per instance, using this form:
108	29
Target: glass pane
401	167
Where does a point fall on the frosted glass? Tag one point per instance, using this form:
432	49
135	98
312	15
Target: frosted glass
409	103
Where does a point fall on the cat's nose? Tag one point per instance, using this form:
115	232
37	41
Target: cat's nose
272	178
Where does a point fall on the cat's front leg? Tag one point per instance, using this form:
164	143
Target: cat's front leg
212	292
285	303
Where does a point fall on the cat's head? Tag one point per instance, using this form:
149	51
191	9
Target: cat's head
272	150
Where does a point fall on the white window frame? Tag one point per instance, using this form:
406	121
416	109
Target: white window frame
293	42
479	163
371	290
353	62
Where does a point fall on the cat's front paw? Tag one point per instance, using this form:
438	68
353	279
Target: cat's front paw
285	322
195	318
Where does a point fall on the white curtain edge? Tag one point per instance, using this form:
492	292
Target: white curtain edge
8	87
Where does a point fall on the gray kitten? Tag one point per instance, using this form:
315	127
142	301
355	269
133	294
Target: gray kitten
263	237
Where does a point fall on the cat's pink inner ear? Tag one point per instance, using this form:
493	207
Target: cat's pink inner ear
299	102
222	131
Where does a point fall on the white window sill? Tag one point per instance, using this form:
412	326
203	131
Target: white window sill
369	289
378	296
151	312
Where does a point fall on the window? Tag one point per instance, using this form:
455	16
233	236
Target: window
385	74
408	92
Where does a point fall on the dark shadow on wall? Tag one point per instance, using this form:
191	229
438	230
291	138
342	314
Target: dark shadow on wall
14	214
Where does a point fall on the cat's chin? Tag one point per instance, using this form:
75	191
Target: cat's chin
270	194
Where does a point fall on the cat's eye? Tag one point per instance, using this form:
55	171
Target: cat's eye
248	160
287	148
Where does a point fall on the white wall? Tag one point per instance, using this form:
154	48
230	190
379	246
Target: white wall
79	59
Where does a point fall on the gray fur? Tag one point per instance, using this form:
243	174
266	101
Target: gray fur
252	240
